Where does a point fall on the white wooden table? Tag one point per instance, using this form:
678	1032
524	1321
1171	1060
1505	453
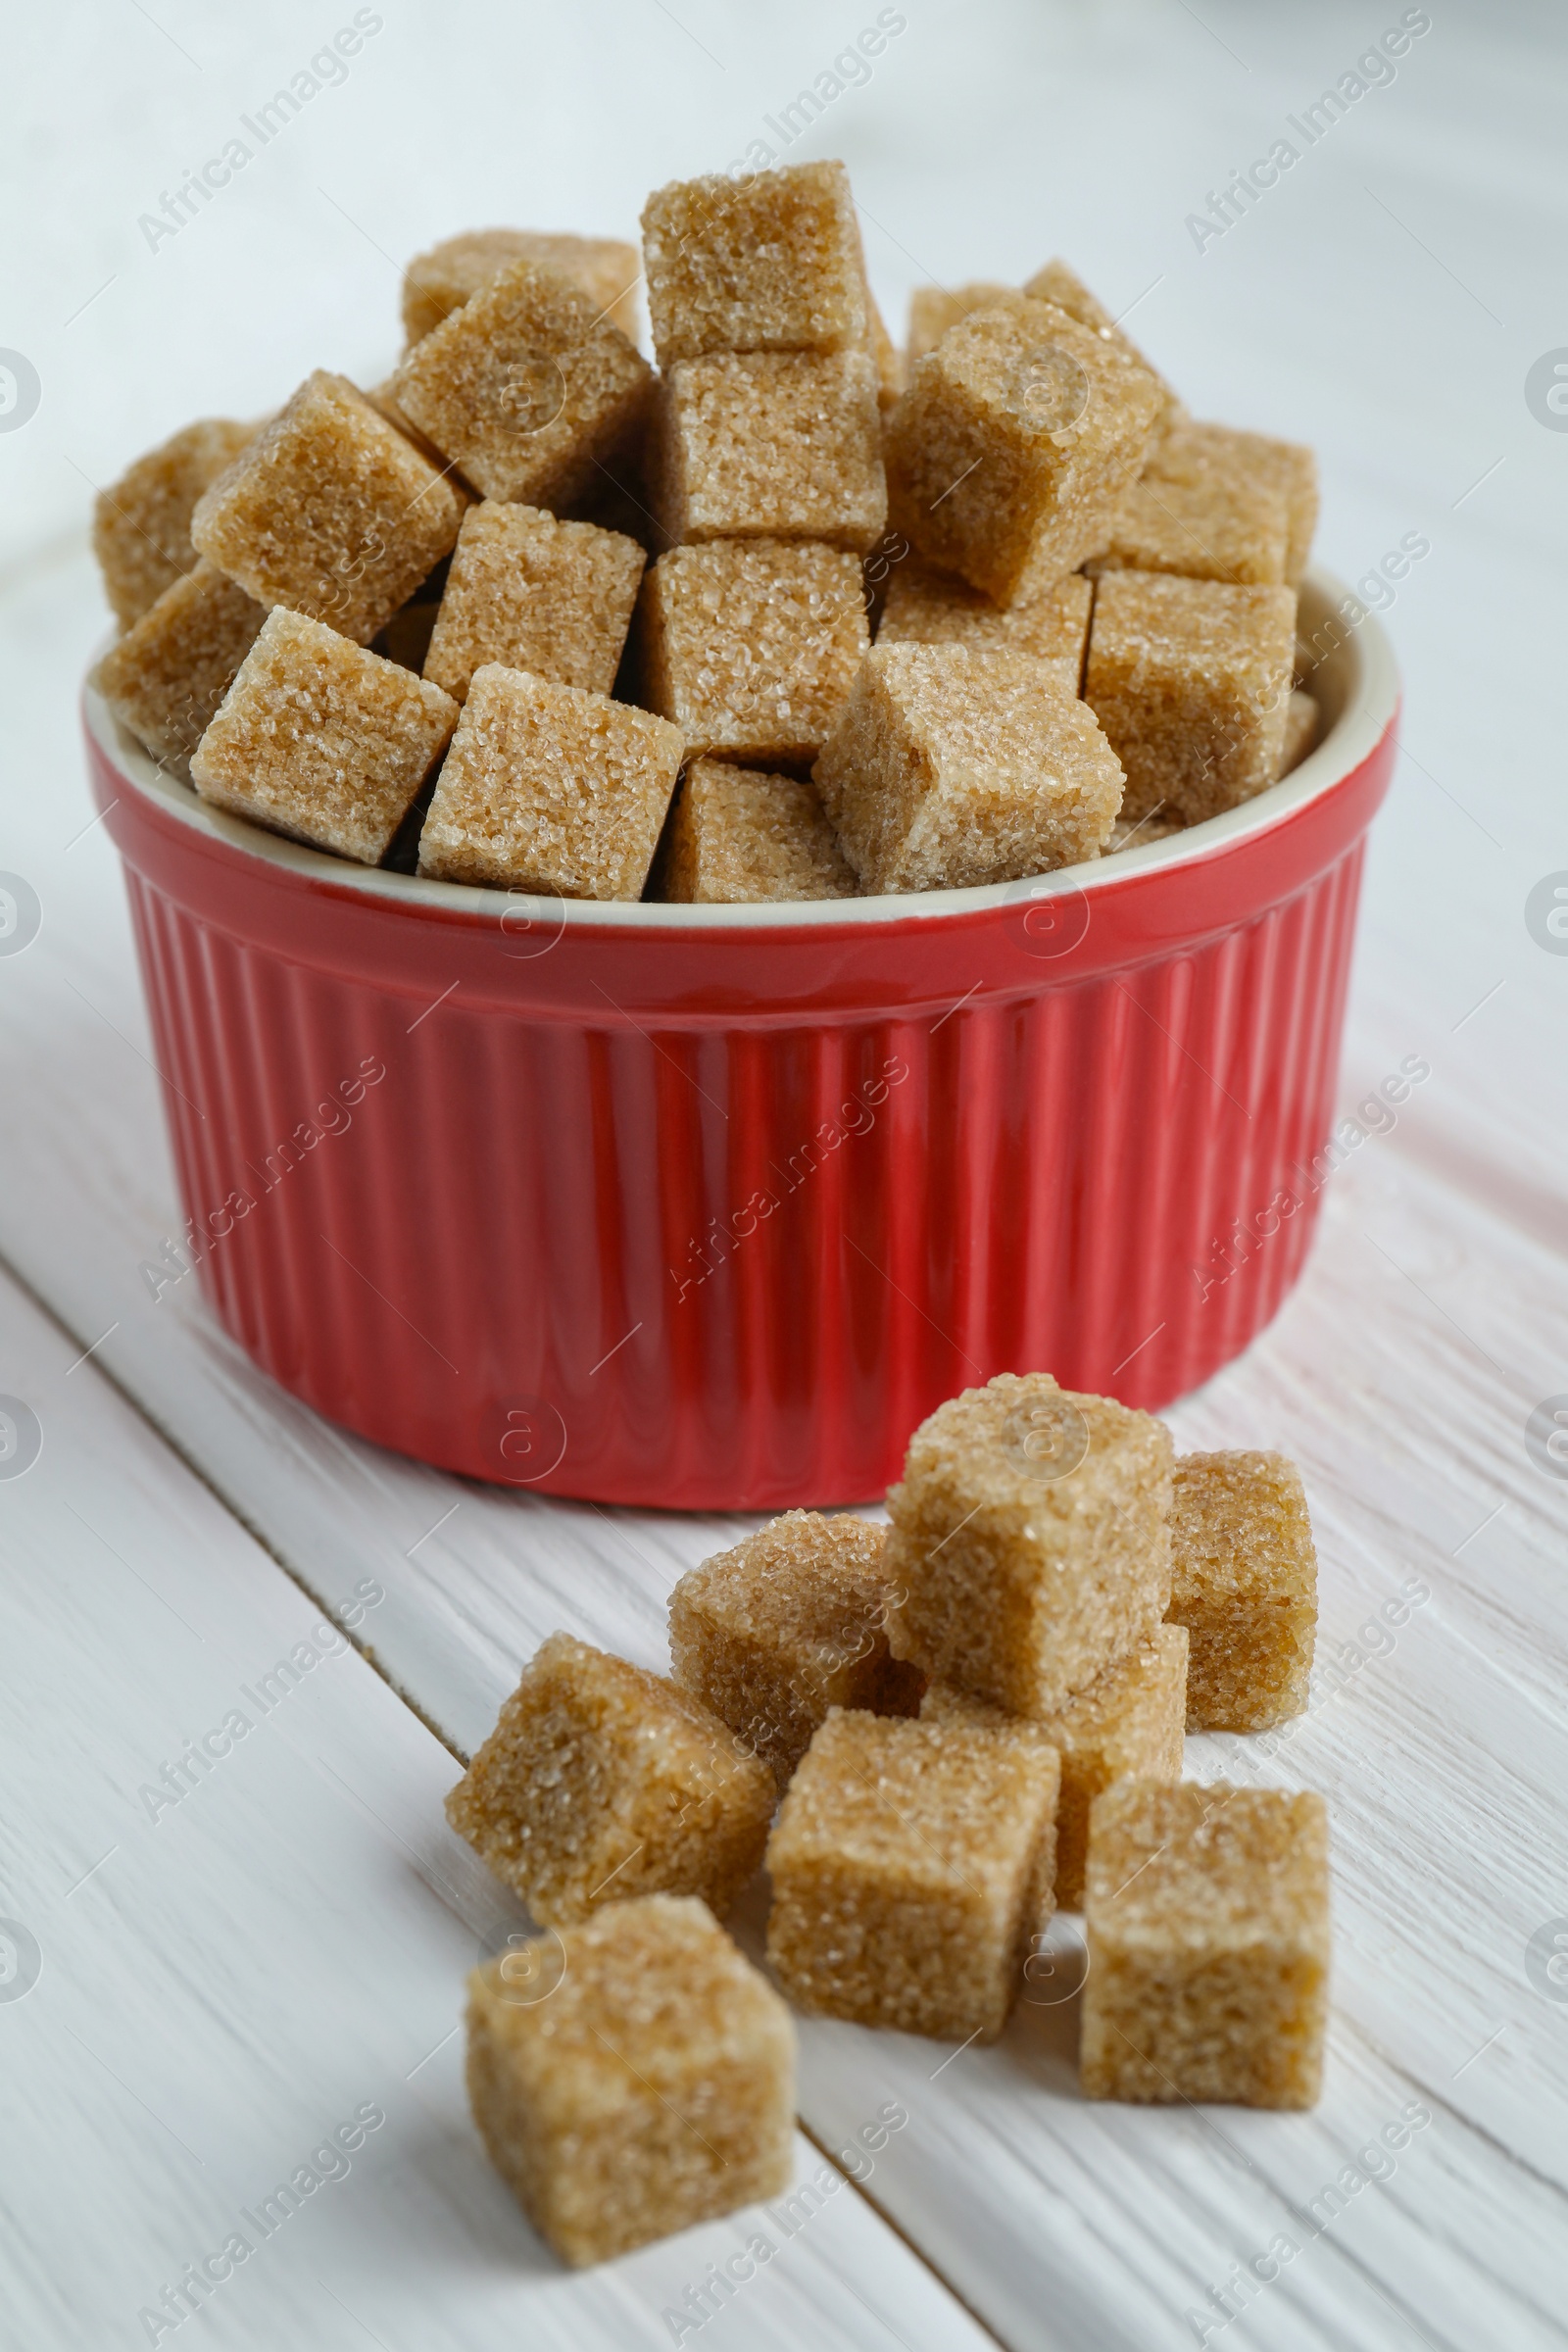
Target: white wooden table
211	1966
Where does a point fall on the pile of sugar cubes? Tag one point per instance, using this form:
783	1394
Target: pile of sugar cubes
534	617
933	1733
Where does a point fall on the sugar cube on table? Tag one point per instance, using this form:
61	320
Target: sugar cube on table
630	2077
1128	1724
911	1866
787	1625
1196	456
1207	1917
1231	527
1243	1583
933	310
1302	720
772	263
601	1782
166	677
1029	1540
1059	285
950	766
926	607
531	593
769	445
321	740
738	834
442	281
329	511
1191	681
527	388
1009	454
141	523
551	789
751	646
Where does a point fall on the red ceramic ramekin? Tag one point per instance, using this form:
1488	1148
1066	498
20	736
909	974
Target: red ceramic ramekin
707	1207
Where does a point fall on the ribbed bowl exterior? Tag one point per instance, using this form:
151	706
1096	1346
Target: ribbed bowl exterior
711	1219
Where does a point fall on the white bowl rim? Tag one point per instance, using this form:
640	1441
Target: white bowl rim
1361	666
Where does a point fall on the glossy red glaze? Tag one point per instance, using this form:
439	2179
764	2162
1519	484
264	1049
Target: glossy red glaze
707	1212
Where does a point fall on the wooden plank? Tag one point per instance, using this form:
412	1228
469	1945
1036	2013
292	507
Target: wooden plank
250	1929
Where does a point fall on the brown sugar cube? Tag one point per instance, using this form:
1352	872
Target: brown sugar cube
1227	527
550	789
770	264
1029	1540
886	357
601	1782
631	2077
751	646
531	593
925	606
1057	283
770	445
1191	681
442	281
739	834
789	1624
141	523
877	571
166	677
911	1866
380	399
1128	1725
1009	454
321	741
933	310
950	766
329	511
1137	832
1244	1582
891	371
1196	454
527	388
1207	1915
1301	721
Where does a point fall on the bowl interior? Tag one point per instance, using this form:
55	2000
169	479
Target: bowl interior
1353	675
